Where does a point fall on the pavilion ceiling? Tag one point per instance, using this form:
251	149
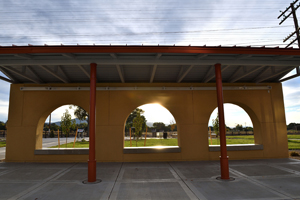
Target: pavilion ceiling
125	64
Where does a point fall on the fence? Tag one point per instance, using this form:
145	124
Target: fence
233	133
293	132
151	135
46	134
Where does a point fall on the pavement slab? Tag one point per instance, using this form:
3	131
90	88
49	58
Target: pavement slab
8	190
277	179
288	185
259	170
68	191
229	190
157	190
147	173
28	175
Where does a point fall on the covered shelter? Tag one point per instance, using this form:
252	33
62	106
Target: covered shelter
111	81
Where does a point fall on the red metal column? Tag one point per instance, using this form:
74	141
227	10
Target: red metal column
223	157
92	118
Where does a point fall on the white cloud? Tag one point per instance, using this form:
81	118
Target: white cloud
293	116
233	115
291	93
157	113
57	113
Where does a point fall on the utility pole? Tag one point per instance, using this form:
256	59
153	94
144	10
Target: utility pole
291	10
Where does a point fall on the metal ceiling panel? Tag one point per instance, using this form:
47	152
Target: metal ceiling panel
107	73
197	73
166	73
64	64
136	73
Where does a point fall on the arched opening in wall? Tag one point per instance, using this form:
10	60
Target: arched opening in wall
64	127
150	125
239	126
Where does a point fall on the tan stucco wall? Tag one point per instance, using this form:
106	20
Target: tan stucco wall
28	111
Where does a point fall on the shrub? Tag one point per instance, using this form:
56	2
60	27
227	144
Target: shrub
294	153
83	140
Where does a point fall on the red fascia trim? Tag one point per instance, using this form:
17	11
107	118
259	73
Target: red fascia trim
147	49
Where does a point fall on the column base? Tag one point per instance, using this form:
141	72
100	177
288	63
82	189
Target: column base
224	168
230	179
92	171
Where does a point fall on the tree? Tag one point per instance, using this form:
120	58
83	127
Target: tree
2	126
293	126
249	128
172	125
81	114
215	123
129	121
159	126
138	123
239	127
66	124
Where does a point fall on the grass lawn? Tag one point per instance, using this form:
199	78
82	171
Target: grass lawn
240	137
2	143
234	140
77	145
293	136
247	139
152	142
294	144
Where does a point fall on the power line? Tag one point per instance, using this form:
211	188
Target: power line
292	12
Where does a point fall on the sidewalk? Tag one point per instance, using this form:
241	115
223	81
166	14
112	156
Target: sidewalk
254	179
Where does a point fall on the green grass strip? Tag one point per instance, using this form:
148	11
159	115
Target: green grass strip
140	143
240	137
152	142
77	145
294	144
233	141
293	136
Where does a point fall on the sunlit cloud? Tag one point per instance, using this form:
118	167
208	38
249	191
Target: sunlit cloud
233	115
58	113
157	113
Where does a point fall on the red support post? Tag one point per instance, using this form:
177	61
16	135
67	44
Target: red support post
223	158
92	123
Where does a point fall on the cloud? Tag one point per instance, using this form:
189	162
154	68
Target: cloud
3	110
218	22
233	115
157	113
57	113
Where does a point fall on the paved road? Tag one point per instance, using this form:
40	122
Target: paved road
47	142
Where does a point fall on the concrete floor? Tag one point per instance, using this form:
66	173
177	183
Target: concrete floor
254	179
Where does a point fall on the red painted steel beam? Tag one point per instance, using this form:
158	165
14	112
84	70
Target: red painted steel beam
92	123
147	49
223	158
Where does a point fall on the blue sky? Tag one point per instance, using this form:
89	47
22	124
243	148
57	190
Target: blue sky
135	22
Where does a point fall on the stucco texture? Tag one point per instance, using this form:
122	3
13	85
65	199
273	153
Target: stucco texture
28	111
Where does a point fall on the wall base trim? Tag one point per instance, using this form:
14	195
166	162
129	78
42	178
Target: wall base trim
61	151
165	149
238	147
